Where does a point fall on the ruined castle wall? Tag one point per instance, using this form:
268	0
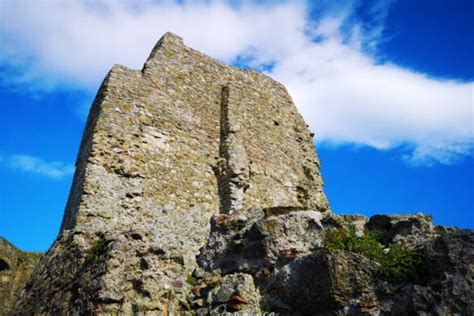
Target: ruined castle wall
164	148
154	146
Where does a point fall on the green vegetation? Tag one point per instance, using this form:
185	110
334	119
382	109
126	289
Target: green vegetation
191	280
342	239
400	264
97	247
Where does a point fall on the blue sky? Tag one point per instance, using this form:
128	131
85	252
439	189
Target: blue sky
387	86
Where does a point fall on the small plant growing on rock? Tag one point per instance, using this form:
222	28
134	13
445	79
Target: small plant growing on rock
191	280
367	245
97	247
400	264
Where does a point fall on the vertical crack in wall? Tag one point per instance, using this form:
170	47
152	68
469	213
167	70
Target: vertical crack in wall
232	166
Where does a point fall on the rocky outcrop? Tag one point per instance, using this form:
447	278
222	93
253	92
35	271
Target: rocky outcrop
285	256
15	269
410	229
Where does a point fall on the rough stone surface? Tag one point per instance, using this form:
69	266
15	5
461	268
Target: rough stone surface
326	282
15	269
295	274
232	293
411	229
238	244
352	221
164	148
448	287
197	191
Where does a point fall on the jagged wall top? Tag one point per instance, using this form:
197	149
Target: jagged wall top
169	39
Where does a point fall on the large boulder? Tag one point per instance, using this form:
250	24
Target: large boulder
325	282
251	245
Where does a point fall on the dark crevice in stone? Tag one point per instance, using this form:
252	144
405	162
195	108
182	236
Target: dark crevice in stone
138	287
136	236
4	266
231	188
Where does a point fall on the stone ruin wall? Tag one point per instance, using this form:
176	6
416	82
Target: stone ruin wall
164	148
189	135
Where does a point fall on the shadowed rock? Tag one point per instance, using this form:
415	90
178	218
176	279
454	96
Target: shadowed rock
15	269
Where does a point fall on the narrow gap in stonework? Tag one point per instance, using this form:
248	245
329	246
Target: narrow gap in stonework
222	173
230	179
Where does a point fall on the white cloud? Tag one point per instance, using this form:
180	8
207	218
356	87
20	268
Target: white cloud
335	81
75	42
37	166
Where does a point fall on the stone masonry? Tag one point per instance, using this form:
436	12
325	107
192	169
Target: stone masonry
164	148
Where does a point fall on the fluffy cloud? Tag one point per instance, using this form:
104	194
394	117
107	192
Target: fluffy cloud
76	42
350	99
327	64
37	166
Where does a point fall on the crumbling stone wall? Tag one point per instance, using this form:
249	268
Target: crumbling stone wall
164	148
15	269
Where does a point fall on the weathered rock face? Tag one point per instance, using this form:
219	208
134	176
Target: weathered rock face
15	269
411	229
164	148
285	256
325	282
238	244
